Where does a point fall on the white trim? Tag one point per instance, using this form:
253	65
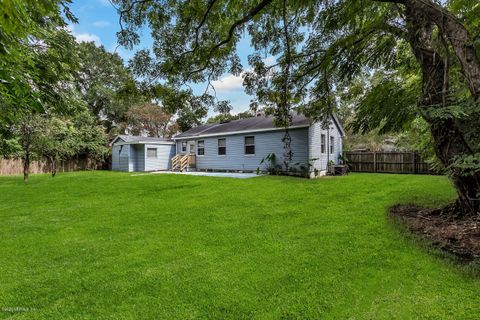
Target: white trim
338	125
236	132
146	142
114	140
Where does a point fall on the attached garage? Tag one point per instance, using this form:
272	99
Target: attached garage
139	154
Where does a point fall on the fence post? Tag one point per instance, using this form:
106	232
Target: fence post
415	161
374	161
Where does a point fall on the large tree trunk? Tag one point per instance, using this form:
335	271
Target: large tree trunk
449	139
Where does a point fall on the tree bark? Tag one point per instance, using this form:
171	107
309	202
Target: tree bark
457	35
26	141
26	166
53	166
449	139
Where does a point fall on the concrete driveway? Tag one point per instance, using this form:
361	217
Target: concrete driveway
213	174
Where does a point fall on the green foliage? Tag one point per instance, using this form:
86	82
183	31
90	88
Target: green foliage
223	107
229	117
270	164
20	19
106	85
387	105
189	109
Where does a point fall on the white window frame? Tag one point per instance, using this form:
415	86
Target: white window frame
332	144
198	147
245	145
183	146
224	146
323	140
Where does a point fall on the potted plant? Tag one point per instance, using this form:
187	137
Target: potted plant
331	167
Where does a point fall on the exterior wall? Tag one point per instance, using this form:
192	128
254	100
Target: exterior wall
164	155
314	145
265	143
120	157
133	157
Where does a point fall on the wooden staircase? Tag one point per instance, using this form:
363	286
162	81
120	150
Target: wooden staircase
181	162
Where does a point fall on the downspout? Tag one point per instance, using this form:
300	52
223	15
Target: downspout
328	147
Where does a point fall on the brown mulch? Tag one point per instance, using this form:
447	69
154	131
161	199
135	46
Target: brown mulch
460	237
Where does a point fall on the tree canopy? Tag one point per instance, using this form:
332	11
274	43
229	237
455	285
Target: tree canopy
424	49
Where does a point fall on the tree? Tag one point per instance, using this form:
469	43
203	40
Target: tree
223	107
188	108
151	118
62	138
46	66
229	117
54	139
106	85
322	44
38	98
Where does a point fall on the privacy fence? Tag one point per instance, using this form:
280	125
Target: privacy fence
387	162
15	166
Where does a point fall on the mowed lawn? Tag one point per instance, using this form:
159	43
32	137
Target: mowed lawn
105	245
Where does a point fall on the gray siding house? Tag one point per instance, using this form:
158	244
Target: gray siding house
137	154
240	145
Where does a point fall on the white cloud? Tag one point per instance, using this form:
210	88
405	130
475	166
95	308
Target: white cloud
84	37
87	37
228	83
101	24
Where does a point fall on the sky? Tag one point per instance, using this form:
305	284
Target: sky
98	22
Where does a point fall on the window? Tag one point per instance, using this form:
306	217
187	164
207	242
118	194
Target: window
184	146
250	145
201	147
151	152
332	144
222	147
322	143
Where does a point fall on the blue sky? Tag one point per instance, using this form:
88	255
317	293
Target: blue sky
98	22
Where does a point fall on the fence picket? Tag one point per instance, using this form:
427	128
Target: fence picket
387	162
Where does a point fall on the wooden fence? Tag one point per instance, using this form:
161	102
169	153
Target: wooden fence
15	166
387	162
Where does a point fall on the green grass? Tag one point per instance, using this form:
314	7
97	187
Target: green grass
104	245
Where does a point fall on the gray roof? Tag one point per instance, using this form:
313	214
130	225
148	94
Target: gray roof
253	124
140	139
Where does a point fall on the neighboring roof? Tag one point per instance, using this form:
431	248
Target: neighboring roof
125	139
254	124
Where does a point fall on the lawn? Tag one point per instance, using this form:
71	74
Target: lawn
104	245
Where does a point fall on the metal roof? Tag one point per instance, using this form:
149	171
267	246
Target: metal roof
142	140
253	124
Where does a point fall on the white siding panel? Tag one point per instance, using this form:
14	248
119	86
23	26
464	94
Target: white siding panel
163	159
120	157
314	135
265	143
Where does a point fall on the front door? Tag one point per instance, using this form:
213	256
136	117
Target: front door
191	147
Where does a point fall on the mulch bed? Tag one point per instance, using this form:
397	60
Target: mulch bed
460	237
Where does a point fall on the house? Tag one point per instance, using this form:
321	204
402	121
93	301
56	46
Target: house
134	153
240	145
